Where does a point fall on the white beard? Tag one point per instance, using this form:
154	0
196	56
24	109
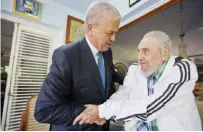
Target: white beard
152	69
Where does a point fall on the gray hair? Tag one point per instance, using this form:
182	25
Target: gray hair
98	12
165	41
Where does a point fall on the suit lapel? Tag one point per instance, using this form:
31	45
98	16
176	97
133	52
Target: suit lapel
107	72
91	65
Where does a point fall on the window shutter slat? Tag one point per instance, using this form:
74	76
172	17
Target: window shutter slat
31	63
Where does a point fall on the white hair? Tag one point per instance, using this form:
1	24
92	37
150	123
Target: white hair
98	12
164	39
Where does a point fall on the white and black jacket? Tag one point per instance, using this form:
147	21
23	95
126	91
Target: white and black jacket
172	104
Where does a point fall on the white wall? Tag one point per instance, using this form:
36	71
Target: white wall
139	9
123	6
53	15
56	14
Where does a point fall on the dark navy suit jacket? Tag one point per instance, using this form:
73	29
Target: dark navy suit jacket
74	80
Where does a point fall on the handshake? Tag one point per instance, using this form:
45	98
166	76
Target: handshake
89	116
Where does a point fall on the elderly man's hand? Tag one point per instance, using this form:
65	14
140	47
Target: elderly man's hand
89	116
82	117
100	121
94	113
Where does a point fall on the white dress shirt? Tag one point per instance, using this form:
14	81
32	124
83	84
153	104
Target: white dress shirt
94	51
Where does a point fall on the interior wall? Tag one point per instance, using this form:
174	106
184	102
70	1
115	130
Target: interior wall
125	47
54	15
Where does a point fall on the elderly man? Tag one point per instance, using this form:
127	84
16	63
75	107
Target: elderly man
157	95
81	73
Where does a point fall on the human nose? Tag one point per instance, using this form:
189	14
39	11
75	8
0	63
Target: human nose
140	55
113	37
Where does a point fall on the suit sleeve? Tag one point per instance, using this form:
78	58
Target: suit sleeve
176	89
116	77
54	104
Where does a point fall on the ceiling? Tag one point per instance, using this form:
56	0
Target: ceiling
78	5
168	20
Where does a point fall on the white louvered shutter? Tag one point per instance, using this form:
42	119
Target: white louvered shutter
30	66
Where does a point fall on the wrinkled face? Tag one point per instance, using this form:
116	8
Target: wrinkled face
149	55
103	35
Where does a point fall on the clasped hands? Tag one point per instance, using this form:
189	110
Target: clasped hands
89	116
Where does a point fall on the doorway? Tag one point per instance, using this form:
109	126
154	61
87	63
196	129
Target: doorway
7	29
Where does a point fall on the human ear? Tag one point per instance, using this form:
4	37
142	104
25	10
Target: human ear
166	54
90	30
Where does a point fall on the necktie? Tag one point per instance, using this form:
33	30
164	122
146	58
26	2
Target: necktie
101	68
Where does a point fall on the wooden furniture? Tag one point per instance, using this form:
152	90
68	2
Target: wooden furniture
28	122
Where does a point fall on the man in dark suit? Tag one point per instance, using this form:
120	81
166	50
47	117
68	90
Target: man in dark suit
81	73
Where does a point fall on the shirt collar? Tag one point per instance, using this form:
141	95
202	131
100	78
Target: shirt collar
158	74
93	49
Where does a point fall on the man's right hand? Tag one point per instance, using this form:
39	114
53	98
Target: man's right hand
100	121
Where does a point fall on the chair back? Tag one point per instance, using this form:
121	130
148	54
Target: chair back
28	122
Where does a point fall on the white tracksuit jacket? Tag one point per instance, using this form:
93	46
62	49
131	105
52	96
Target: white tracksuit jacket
172	104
